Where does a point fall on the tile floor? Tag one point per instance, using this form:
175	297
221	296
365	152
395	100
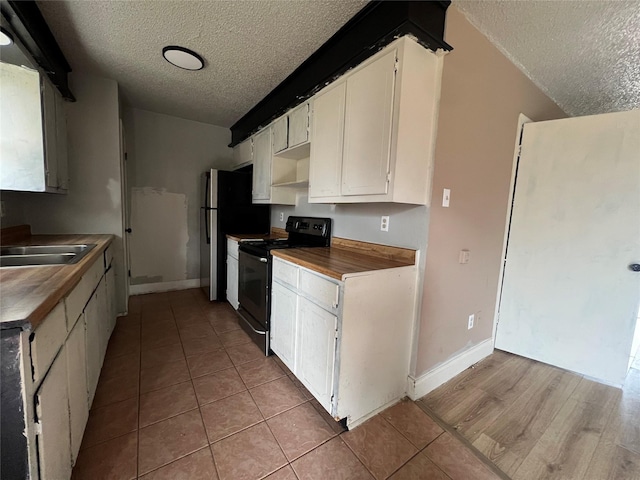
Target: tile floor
184	394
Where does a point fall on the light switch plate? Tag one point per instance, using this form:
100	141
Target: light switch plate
446	196
464	256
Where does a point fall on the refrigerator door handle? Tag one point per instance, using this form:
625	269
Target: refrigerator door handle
206	223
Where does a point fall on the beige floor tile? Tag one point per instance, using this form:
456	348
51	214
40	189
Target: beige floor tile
456	460
249	454
163	375
166	402
195	330
160	338
230	415
158	356
259	371
277	396
225	322
111	421
379	446
413	423
196	466
234	337
169	440
419	468
285	473
244	353
112	460
300	430
115	389
218	385
332	460
209	362
200	345
120	366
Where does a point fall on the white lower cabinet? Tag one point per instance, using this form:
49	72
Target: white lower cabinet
77	381
73	341
232	273
316	337
348	341
52	412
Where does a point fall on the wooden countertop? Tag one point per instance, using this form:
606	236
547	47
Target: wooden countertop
335	262
28	294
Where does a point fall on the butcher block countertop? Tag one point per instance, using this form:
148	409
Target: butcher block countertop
28	294
347	257
275	233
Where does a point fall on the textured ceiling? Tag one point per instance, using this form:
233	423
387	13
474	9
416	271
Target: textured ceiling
585	55
249	47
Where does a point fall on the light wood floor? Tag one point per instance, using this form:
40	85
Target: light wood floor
536	421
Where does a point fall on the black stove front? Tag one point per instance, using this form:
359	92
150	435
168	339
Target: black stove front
254	263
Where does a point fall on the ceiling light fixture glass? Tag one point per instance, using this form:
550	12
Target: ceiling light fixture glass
5	37
183	57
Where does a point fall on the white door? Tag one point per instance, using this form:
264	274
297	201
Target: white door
77	382
367	128
569	297
262	165
316	350
325	167
232	281
52	409
284	312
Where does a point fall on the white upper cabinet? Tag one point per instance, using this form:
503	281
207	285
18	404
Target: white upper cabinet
243	154
299	125
280	129
374	129
262	165
325	171
55	139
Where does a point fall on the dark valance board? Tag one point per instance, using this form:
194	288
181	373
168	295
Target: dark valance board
371	29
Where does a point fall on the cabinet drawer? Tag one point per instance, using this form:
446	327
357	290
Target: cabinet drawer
47	340
285	272
324	292
232	248
79	296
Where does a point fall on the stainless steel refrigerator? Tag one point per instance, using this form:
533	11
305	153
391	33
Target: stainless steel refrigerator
226	208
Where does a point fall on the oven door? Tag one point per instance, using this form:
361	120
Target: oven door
253	290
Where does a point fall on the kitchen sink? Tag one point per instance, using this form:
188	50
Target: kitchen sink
34	255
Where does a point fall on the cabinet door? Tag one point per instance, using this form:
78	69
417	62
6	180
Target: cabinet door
103	317
316	350
77	384
232	281
262	165
284	312
93	341
367	128
243	153
52	410
50	133
112	310
299	125
326	148
280	130
61	144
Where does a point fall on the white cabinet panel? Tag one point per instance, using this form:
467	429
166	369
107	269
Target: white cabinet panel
50	142
284	311
299	125
232	248
232	281
47	340
327	144
367	128
77	383
324	292
280	130
93	342
316	350
285	272
112	309
243	154
52	410
262	165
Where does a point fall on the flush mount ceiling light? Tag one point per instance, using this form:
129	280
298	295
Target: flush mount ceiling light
5	37
182	57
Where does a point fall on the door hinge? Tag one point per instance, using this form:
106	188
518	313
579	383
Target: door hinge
396	65
38	427
388	177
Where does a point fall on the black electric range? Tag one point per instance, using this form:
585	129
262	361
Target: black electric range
254	272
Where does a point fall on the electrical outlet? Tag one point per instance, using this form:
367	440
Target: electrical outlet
384	223
446	197
282	216
472	318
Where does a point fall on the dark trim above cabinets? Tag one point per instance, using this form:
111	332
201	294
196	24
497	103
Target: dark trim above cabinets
371	29
30	27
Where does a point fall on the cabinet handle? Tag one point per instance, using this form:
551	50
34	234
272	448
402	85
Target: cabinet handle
264	260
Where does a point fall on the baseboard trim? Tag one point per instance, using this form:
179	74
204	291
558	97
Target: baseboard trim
163	286
425	383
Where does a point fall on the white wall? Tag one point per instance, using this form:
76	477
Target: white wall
94	201
166	157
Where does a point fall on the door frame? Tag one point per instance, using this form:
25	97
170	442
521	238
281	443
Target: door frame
125	216
522	120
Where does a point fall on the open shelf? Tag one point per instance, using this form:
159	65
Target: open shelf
300	184
296	153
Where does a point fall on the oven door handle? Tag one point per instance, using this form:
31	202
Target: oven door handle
249	324
264	260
